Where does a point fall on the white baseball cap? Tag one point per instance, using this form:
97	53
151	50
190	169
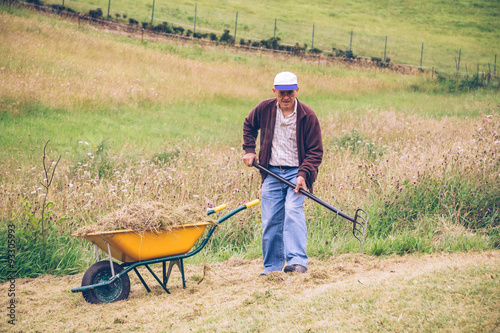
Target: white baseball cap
285	81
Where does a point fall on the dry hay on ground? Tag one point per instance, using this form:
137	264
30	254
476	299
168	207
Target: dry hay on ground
147	216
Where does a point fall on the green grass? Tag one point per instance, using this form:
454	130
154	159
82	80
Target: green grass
444	27
149	129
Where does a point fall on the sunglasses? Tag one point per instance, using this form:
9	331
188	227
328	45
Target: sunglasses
286	92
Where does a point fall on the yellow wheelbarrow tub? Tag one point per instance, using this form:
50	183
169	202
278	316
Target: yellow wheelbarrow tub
129	246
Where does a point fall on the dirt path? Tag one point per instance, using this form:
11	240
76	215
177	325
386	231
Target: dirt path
450	292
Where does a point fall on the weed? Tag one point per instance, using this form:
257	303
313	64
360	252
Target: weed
356	144
166	157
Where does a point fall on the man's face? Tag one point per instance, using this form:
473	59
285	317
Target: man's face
286	98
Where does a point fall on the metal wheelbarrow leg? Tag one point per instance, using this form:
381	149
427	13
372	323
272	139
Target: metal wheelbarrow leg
359	222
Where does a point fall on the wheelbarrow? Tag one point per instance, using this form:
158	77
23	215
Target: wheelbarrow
359	221
107	281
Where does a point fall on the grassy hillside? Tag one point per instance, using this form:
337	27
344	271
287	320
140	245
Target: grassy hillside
161	120
444	27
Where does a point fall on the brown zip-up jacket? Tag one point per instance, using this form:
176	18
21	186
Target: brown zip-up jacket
309	141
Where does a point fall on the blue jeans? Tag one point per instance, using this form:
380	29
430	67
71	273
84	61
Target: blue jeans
284	230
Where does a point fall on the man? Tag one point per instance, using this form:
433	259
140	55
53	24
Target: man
290	146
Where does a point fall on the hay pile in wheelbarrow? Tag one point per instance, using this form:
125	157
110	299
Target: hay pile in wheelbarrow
147	216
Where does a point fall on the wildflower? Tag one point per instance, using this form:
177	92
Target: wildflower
472	193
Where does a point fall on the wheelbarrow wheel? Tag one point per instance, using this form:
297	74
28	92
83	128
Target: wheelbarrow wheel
99	273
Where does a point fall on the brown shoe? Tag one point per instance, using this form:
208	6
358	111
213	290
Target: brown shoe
295	268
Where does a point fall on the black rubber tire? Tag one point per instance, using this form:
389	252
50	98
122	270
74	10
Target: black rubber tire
101	272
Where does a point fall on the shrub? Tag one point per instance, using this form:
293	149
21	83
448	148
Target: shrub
95	13
226	37
165	27
345	54
62	8
145	25
57	7
213	37
179	30
132	21
296	49
36	2
118	15
315	51
459	84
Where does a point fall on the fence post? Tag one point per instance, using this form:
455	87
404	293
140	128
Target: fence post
459	55
385	48
312	42
421	55
235	25
109	5
350	44
495	66
195	11
63	3
275	27
153	12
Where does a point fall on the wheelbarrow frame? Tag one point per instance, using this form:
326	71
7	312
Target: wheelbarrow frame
173	260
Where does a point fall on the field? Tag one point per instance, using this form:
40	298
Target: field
162	120
444	27
349	293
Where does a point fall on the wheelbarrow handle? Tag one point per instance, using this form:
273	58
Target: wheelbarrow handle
252	203
302	191
216	209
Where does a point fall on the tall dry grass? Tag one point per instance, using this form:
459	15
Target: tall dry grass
407	149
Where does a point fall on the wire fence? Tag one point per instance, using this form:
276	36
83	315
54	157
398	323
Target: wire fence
251	28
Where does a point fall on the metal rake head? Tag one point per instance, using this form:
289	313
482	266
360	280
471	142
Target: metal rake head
359	227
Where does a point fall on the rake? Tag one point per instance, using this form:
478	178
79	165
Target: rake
359	222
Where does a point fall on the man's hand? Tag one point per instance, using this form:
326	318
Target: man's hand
249	158
301	183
